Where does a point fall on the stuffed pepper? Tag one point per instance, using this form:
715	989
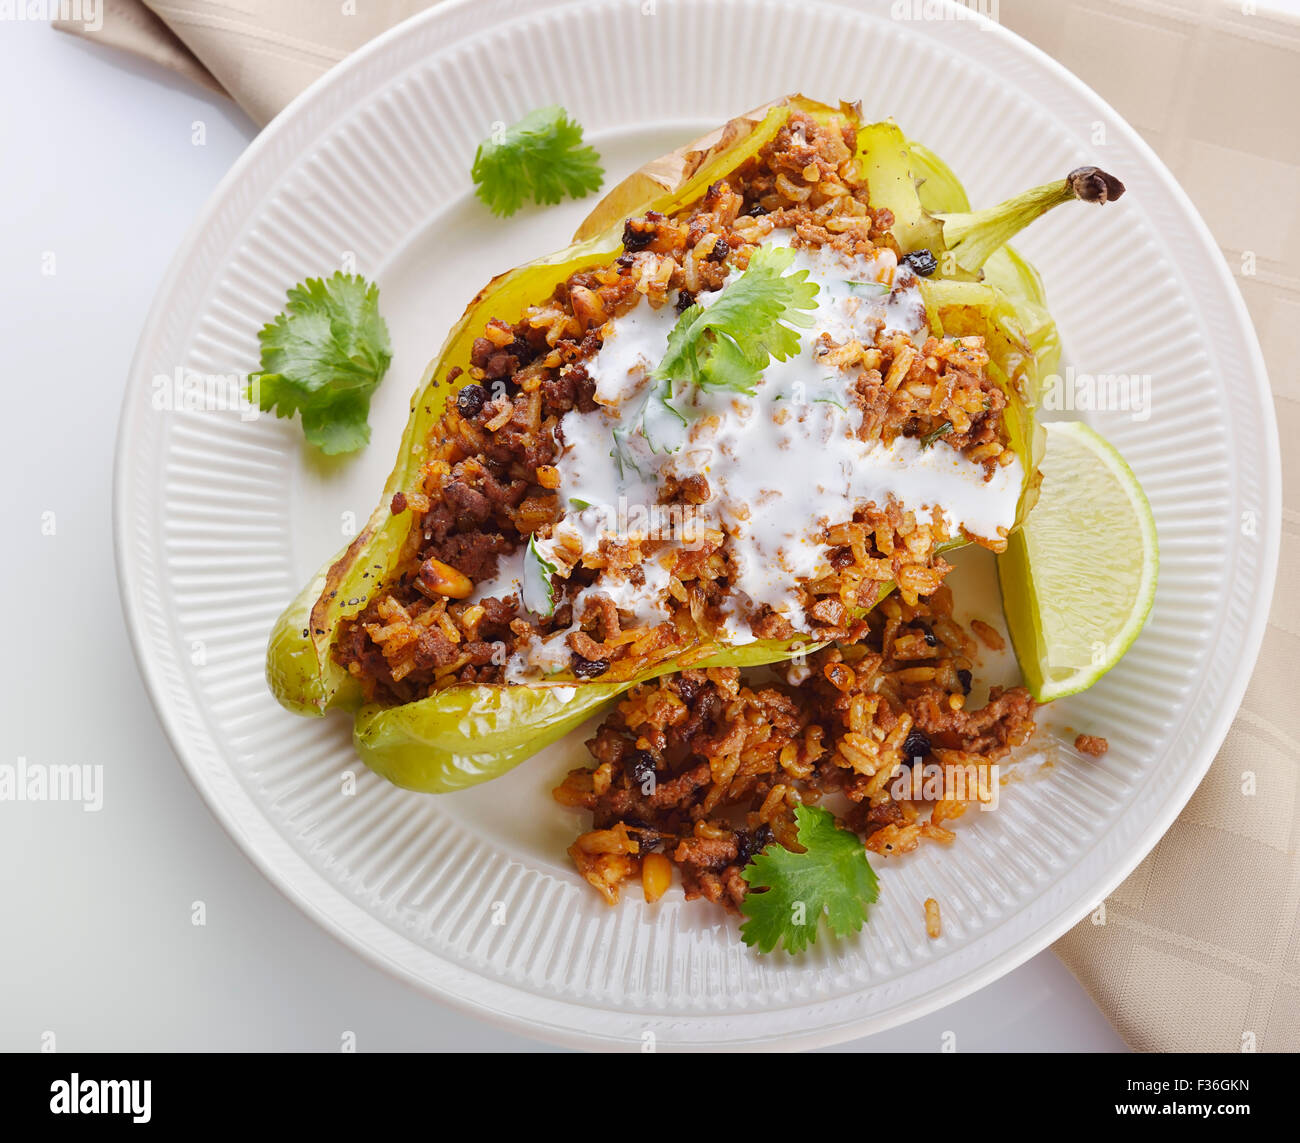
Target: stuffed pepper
770	384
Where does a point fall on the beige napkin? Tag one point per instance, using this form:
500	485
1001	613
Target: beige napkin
1199	949
260	52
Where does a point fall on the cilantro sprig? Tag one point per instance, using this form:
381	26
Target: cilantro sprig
728	344
790	893
725	345
541	158
323	357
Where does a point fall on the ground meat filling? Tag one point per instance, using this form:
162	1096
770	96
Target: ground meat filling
707	767
491	478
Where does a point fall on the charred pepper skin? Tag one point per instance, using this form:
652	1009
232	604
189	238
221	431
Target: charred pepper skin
470	733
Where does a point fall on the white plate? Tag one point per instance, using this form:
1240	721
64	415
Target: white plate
219	521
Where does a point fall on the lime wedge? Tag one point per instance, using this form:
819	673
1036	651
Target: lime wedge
1079	578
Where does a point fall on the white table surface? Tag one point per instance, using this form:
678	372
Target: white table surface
98	942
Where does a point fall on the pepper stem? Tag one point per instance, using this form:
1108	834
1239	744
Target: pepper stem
972	236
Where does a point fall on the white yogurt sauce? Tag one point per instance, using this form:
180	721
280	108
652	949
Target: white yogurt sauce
781	465
630	351
509	579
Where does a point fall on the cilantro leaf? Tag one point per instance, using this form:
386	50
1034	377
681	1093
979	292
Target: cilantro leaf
537	589
540	158
790	892
729	343
322	358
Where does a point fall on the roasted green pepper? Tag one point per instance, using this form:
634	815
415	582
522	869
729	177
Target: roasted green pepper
468	733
